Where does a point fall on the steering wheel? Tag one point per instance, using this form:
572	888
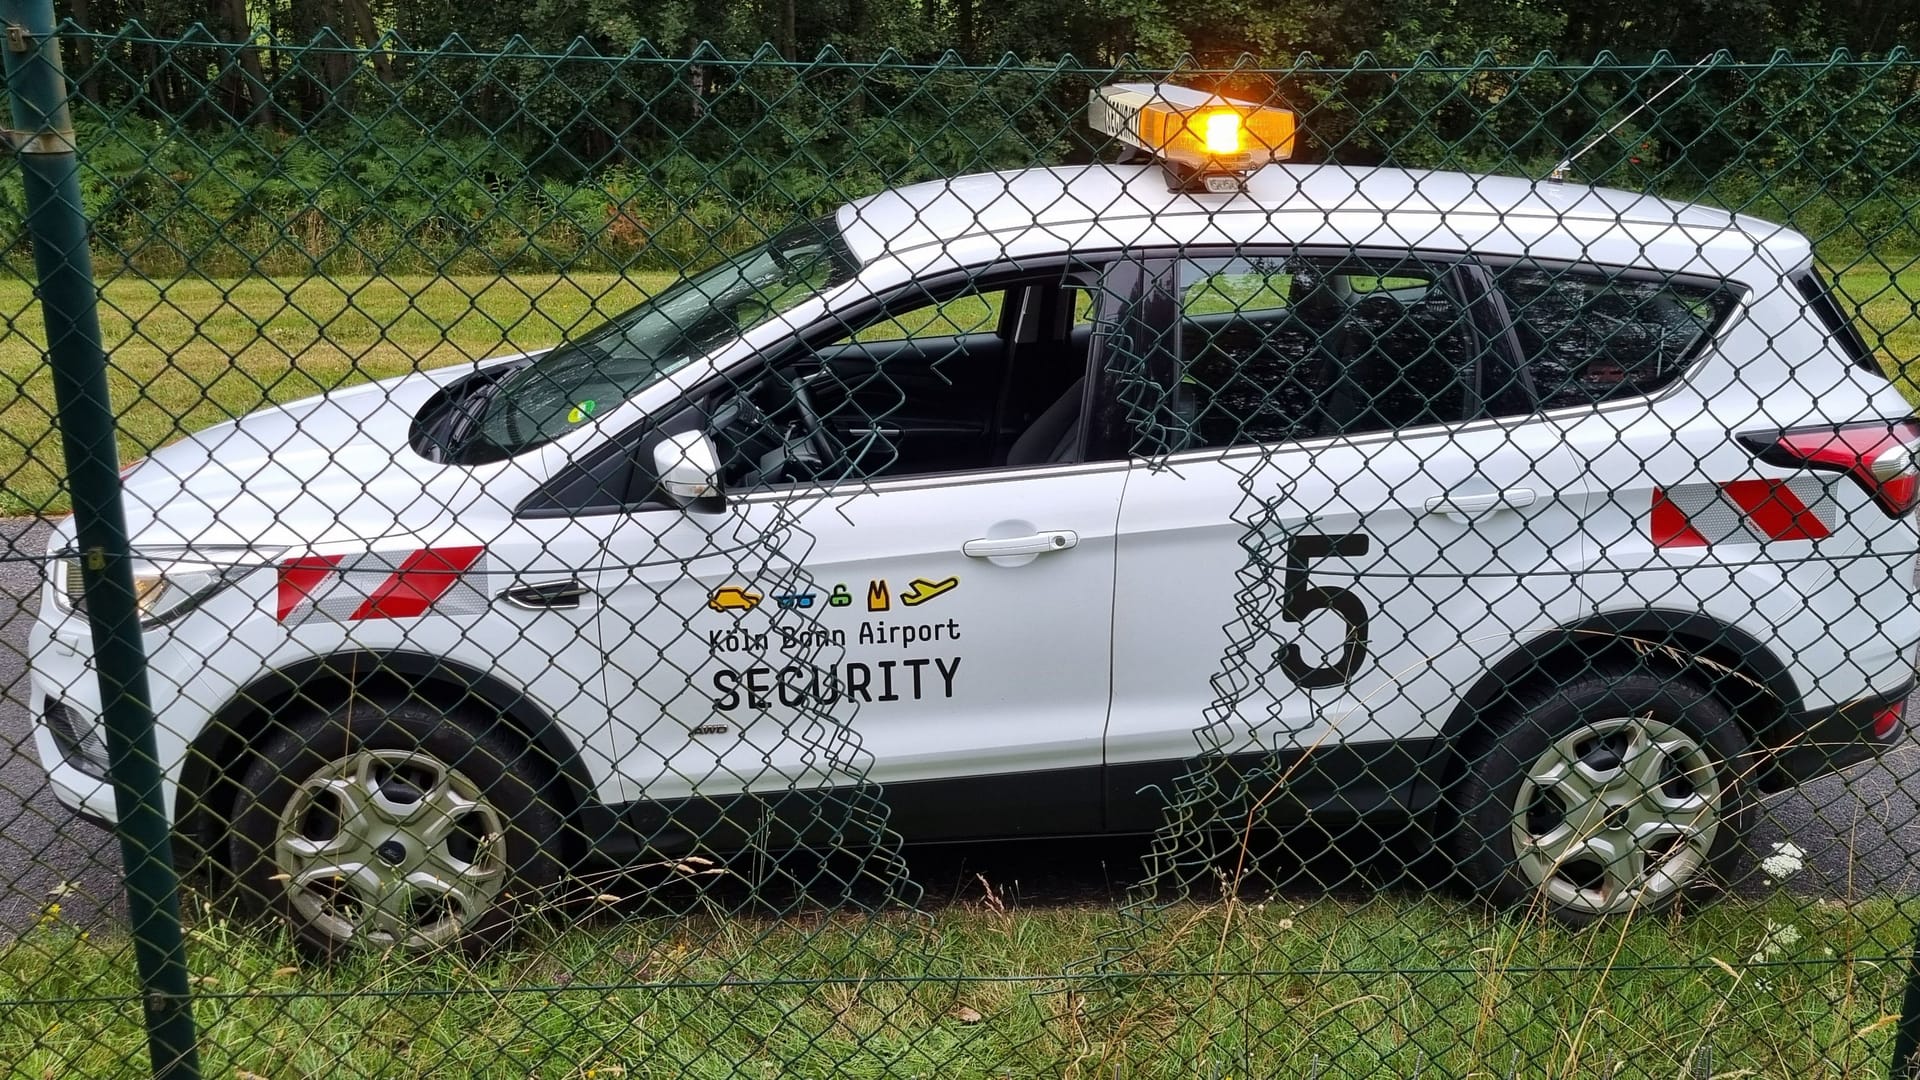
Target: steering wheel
817	439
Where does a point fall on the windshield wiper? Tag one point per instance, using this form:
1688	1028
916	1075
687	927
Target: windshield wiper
467	412
464	411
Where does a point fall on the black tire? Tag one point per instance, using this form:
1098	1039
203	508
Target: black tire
1688	827
506	836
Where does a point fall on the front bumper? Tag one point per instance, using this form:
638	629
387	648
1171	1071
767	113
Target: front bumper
63	703
1824	741
78	782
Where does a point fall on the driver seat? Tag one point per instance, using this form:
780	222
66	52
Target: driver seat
1055	433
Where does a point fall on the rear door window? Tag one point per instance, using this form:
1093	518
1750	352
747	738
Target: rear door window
1300	347
1590	335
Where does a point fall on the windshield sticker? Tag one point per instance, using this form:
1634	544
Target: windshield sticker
920	590
579	413
733	598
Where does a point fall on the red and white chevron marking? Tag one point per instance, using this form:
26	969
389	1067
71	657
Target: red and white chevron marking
1742	512
382	585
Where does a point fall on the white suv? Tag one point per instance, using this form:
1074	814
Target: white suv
1563	521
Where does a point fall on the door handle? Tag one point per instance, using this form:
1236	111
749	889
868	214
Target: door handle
547	595
1471	506
1036	544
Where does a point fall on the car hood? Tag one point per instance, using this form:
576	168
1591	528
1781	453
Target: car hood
333	467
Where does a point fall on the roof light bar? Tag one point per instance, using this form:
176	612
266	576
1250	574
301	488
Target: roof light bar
1206	142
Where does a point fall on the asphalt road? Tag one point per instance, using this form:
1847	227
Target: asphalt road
1860	832
45	852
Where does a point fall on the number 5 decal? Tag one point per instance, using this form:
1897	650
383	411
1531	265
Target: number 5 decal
1302	600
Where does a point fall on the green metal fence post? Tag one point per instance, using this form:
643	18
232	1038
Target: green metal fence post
49	170
1906	1039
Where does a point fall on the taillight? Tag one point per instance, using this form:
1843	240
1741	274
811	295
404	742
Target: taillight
1878	454
1887	719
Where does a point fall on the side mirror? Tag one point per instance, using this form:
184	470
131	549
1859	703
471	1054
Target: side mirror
688	465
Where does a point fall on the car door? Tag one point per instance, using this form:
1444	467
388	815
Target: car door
1331	545
942	631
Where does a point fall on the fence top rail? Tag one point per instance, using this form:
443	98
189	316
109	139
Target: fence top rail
455	47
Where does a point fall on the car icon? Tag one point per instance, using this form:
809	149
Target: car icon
733	598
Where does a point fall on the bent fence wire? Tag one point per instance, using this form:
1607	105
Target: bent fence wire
585	533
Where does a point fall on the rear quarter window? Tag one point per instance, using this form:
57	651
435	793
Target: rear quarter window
1825	308
1589	335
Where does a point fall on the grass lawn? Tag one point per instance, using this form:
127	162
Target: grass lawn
1391	986
190	353
187	354
1889	303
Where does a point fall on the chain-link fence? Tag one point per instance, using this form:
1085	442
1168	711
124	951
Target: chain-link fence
601	530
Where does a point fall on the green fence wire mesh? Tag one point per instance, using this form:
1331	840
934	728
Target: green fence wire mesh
605	528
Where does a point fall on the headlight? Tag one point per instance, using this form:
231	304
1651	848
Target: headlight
167	582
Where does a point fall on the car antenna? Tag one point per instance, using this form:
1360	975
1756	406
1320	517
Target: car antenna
1559	173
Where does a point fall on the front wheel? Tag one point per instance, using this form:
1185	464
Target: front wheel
1617	792
392	825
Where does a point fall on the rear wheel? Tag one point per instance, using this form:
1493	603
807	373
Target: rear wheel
1618	792
391	825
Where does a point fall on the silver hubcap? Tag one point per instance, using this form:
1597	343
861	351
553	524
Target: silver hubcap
390	847
1619	813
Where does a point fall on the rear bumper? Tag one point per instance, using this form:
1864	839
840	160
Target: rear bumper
1824	741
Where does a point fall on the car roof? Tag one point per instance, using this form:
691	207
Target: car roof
1092	206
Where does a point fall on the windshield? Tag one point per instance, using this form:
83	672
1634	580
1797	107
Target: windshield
579	379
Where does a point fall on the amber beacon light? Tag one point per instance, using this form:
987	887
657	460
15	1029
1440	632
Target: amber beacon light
1205	141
